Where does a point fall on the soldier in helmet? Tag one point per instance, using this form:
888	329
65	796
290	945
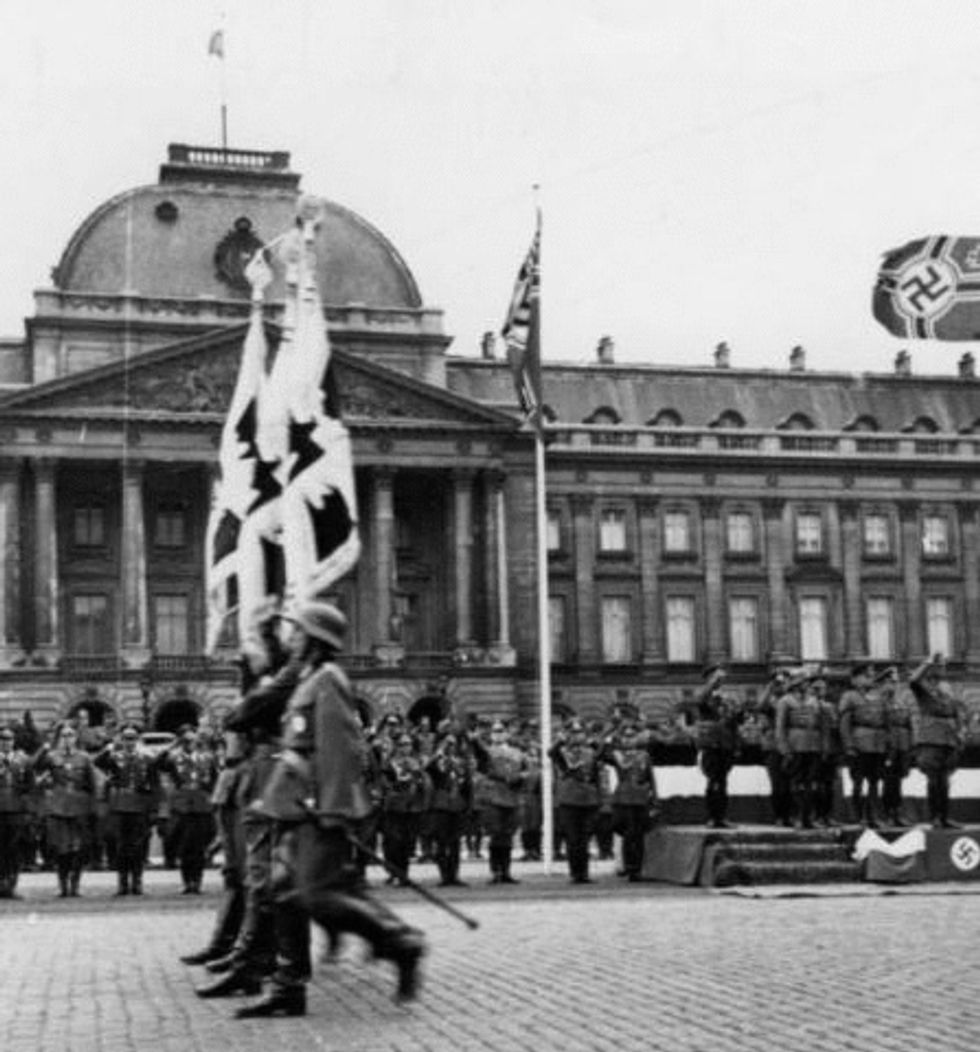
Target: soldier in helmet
900	705
802	740
405	786
15	779
503	768
317	794
577	766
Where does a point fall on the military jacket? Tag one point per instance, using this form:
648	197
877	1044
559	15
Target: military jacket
864	722
900	709
577	767
718	717
405	784
70	782
15	782
451	782
634	768
800	725
937	717
503	769
194	774
131	780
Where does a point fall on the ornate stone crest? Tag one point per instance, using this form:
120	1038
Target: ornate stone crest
234	252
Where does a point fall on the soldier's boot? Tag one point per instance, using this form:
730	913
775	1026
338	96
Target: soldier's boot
495	868
75	876
505	877
945	821
136	878
280	1000
63	882
122	886
240	980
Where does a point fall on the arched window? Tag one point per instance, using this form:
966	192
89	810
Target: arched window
864	422
603	415
923	425
796	422
666	418
730	418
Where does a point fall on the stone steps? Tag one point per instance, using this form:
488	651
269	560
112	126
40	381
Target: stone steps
783	857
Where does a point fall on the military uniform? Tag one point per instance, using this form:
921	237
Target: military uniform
937	736
404	794
716	733
864	735
900	705
449	772
503	769
131	787
577	795
801	738
15	781
193	771
634	795
780	792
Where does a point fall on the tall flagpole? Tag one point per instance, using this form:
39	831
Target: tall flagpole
544	628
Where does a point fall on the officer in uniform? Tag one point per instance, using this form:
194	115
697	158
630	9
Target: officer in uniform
629	752
829	764
405	787
15	782
900	705
716	733
577	765
68	776
317	795
131	784
503	769
193	770
801	737
449	772
780	793
864	735
938	735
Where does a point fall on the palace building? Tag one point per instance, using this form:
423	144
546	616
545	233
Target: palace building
695	514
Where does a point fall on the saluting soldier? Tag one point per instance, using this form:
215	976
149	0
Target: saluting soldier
193	770
67	775
629	752
404	794
131	785
716	732
576	763
801	737
864	734
452	788
780	792
829	764
15	783
938	735
900	706
503	768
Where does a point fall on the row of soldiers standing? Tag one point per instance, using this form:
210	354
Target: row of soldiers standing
878	729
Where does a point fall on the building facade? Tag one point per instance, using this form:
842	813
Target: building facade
695	514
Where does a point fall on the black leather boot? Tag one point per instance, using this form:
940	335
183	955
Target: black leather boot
407	952
280	1000
237	981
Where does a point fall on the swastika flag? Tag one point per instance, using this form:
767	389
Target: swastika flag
930	289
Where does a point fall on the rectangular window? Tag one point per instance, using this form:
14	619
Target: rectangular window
171	617
88	526
743	627
809	534
740	532
90	629
813	629
170	529
677	531
877	535
556	625
881	630
939	626
935	535
612	530
616	629
680	629
554	531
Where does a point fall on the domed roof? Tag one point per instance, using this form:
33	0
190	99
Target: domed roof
185	238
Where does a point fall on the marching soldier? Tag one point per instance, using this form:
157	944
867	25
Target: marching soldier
899	703
864	734
938	735
716	732
131	784
577	795
67	775
316	794
503	769
193	771
15	781
801	738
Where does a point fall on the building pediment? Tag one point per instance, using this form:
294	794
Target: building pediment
194	379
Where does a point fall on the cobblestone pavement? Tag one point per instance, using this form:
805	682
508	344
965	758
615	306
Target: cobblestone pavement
550	968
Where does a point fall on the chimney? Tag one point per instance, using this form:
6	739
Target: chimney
488	346
723	356
967	367
797	359
605	352
903	364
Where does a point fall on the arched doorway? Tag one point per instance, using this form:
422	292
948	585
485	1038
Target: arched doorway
433	707
172	714
100	712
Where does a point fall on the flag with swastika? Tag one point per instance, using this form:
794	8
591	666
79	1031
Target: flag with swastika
930	289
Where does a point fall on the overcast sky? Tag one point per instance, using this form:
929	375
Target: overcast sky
710	170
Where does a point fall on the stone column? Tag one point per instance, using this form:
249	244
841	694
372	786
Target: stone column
135	603
851	567
971	581
585	612
773	510
653	651
11	646
498	588
382	550
462	547
915	643
47	636
713	588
